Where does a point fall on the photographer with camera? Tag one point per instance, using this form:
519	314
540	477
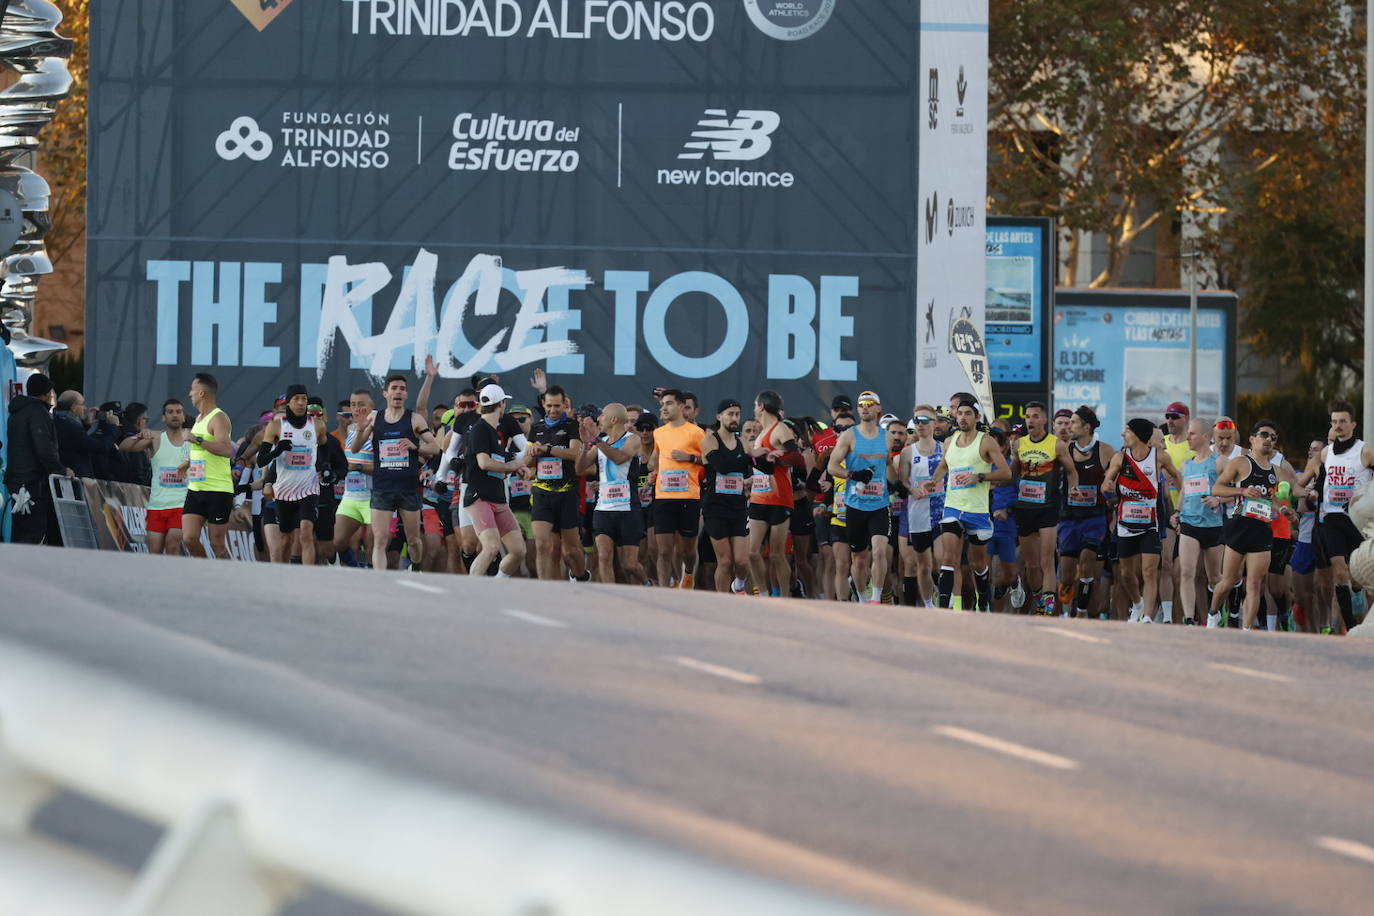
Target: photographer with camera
86	437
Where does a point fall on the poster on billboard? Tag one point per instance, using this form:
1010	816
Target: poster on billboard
716	196
952	193
1018	302
1125	353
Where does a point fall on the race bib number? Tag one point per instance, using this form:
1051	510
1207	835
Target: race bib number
1195	486
1032	491
394	453
356	485
170	477
1084	497
1138	512
339	490
730	484
874	488
1339	496
1261	510
297	461
519	487
550	469
761	484
592	487
966	475
197	472
672	482
615	494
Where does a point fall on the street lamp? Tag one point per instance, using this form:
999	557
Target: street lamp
1192	258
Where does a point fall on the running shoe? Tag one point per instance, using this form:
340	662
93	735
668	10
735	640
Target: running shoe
1018	595
1213	621
1189	622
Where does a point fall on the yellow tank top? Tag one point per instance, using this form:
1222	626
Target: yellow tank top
1179	453
973	497
677	479
209	473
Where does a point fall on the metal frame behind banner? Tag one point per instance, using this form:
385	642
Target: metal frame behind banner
73	517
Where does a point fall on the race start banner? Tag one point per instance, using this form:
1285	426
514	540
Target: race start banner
720	196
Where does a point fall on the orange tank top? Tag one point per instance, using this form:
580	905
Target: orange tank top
773	489
677	479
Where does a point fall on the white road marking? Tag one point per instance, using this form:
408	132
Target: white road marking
1006	747
419	586
1070	634
1348	848
535	619
730	674
1251	672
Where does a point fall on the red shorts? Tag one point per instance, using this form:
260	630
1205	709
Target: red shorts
486	515
160	521
429	521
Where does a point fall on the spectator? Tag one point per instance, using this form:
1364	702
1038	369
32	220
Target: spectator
134	465
78	441
33	456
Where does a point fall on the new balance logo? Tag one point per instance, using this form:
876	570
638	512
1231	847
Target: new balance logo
746	136
244	138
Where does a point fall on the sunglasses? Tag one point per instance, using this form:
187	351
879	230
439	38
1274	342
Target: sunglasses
925	419
1225	424
1266	434
868	403
466	405
1173	416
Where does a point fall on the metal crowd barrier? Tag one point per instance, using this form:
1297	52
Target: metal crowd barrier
252	819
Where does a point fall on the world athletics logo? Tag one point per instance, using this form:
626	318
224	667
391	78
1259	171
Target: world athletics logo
790	20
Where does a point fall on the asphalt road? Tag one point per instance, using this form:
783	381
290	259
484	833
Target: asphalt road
922	761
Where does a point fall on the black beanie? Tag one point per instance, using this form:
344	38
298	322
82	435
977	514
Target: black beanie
38	385
1144	430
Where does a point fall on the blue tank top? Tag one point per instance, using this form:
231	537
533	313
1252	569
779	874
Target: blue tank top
1198	478
396	470
868	453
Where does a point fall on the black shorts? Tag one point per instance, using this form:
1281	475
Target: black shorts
626	529
865	525
1030	520
1206	537
1279	552
727	526
682	516
803	522
1339	537
269	512
957	529
839	534
921	542
291	512
824	533
557	509
324	520
1145	543
399	501
1248	535
773	515
211	505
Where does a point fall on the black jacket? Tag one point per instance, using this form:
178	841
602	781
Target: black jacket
81	447
33	443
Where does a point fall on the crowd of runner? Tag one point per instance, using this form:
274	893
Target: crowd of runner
1185	521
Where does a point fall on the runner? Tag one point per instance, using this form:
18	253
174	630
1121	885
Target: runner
774	454
399	438
861	458
171	452
677	491
1251	480
1036	465
486	469
839	531
725	507
1134	474
972	462
1347	462
1002	548
209	479
1175	442
1083	531
555	447
617	522
291	445
1063	425
916	465
1199	522
355	509
333	467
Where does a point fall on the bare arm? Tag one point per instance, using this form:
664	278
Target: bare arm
1001	471
1234	470
835	466
1066	462
1166	464
222	446
1113	469
363	432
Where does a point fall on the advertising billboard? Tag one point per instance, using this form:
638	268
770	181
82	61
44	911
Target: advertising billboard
1125	353
720	196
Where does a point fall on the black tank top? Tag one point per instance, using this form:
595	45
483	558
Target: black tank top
1261	510
396	470
737	463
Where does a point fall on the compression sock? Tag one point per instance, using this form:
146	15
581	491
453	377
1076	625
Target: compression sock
910	594
1346	599
1234	601
1285	620
983	581
944	586
1166	612
1085	596
468	560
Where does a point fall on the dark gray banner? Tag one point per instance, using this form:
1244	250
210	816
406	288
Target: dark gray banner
718	196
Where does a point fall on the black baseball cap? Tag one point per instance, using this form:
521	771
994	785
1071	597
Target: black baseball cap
841	402
646	421
726	404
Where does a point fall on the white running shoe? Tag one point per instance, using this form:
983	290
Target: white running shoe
1018	595
1213	621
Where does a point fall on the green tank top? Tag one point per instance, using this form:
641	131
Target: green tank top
972	498
209	473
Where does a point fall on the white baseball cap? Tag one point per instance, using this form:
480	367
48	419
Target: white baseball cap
492	394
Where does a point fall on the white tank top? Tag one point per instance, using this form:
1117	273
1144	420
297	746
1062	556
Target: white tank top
616	491
169	484
1345	474
918	508
296	475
